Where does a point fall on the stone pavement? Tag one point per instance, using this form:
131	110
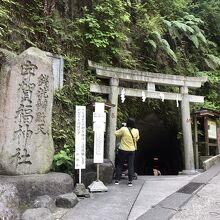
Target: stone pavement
205	204
155	198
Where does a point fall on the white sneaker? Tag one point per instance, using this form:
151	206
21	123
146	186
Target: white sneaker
129	183
116	182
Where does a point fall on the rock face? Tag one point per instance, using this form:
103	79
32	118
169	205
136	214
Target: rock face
9	202
68	200
37	214
106	171
45	202
34	185
26	145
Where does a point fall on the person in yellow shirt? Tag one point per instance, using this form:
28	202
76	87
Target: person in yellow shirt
129	135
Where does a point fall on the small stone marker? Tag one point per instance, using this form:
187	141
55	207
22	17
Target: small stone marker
81	191
26	140
37	214
45	202
68	200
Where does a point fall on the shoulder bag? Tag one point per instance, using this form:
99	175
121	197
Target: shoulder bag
132	137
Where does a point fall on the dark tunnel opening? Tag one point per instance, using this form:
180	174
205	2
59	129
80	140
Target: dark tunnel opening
158	148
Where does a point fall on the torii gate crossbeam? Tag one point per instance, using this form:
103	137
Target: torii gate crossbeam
152	79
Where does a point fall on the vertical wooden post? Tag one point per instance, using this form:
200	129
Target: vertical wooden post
97	173
217	147
196	142
80	176
218	139
206	135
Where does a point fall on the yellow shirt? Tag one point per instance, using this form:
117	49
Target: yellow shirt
127	143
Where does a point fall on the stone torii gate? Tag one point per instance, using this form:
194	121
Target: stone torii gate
152	79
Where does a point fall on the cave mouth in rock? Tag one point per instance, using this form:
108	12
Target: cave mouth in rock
158	148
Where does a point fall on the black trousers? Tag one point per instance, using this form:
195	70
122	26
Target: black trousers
125	156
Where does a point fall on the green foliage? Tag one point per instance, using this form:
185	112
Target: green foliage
104	28
211	90
212	61
150	39
209	11
63	160
187	27
161	45
28	26
75	92
168	8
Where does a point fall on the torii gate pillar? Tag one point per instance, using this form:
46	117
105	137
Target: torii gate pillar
187	132
112	118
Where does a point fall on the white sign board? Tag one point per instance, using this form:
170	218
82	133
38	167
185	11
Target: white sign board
99	107
58	65
212	130
99	120
80	137
98	146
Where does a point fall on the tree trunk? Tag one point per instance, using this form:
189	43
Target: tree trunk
49	6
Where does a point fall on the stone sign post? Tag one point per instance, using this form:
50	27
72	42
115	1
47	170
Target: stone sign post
26	145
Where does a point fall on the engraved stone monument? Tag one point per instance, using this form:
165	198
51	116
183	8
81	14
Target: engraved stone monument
26	145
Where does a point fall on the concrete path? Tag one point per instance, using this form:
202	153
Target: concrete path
122	202
154	190
180	197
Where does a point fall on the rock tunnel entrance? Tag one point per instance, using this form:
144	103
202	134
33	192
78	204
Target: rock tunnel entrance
158	148
150	80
